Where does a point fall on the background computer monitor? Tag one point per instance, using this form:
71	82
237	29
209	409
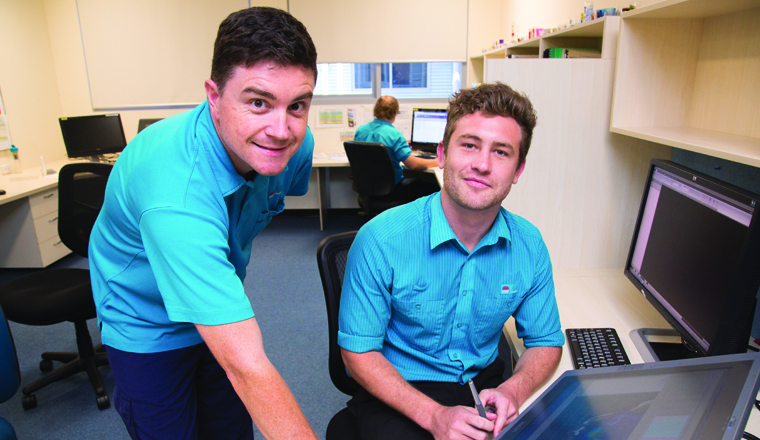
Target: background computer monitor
695	255
142	124
428	125
92	135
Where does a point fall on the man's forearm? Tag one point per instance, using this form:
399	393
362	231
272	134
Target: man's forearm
240	351
535	366
381	379
271	404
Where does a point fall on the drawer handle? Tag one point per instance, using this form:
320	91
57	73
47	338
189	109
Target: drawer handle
59	242
53	220
48	196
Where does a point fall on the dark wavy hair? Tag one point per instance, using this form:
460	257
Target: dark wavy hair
493	100
258	34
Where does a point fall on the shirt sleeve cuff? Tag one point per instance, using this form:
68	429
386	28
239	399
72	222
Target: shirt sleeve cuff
556	339
359	344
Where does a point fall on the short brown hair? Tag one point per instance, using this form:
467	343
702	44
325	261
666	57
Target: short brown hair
258	34
386	108
493	100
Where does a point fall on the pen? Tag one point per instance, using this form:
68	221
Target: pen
478	403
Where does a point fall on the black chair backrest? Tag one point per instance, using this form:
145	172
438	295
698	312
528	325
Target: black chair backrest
10	376
371	168
332	255
81	190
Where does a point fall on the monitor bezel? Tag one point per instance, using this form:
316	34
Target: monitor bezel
736	322
91	152
740	413
425	146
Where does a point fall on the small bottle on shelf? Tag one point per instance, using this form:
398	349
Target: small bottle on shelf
16	163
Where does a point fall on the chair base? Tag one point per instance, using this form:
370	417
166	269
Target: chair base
88	359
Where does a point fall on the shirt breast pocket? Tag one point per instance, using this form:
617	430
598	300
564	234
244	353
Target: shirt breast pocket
419	322
494	308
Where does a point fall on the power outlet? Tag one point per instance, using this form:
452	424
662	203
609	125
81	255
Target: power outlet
5	168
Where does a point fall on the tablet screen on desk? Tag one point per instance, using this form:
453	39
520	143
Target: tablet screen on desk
705	399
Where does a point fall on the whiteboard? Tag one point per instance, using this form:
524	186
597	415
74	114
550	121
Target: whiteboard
151	53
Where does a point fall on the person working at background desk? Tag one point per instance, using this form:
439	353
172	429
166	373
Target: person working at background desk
169	251
381	130
429	285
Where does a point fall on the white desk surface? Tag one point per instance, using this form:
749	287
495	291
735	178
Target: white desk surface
600	298
30	181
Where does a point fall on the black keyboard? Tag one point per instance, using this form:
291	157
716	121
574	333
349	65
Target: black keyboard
426	155
595	347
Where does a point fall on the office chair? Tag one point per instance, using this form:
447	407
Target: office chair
332	255
10	376
374	180
54	296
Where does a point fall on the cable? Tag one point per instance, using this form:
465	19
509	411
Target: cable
757	404
749	347
749	436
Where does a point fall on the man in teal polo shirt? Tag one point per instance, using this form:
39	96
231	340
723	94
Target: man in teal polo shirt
169	251
381	130
429	285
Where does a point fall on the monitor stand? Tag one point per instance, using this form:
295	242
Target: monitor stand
664	350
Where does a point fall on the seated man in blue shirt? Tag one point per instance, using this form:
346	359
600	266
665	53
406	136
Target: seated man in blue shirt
169	250
429	285
381	130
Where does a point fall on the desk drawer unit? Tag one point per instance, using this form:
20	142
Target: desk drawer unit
29	231
46	227
44	203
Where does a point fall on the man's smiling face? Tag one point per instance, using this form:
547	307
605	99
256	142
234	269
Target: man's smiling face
261	115
480	164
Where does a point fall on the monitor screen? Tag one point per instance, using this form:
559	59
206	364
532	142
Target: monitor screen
692	257
92	135
428	126
695	399
142	124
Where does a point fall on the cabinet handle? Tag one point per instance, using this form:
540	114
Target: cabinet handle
48	196
53	220
56	244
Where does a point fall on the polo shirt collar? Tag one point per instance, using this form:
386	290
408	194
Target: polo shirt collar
220	163
441	232
382	122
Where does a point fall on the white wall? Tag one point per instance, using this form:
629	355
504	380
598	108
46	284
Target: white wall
28	82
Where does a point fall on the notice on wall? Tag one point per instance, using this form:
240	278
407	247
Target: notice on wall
403	120
352	117
5	133
330	117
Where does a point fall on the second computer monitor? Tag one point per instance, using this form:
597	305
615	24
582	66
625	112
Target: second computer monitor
428	126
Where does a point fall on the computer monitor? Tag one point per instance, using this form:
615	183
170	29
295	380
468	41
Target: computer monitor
142	124
428	125
94	135
707	398
695	256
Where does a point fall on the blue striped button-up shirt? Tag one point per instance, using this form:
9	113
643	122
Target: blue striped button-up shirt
436	310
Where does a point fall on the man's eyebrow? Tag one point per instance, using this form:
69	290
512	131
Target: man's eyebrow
475	137
256	91
307	95
268	95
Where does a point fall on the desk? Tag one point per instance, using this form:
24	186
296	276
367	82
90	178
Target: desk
29	219
323	165
600	298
